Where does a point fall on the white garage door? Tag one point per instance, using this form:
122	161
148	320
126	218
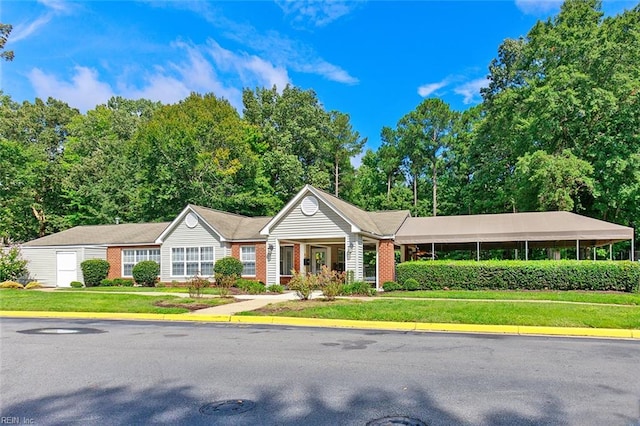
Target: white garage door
66	261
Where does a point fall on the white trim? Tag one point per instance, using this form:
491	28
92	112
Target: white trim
295	200
255	259
172	226
293	247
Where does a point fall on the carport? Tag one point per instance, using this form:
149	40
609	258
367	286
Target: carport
509	230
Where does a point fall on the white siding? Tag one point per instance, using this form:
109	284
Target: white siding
183	236
41	264
42	261
325	223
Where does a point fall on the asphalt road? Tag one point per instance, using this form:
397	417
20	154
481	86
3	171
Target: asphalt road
132	373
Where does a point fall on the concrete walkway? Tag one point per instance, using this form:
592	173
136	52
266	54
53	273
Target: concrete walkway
250	302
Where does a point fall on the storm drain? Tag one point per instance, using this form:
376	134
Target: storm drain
227	408
396	420
62	331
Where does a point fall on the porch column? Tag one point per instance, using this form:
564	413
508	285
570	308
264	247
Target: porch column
386	263
577	249
526	250
433	251
478	251
610	252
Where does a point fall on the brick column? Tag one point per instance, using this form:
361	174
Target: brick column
261	262
386	262
114	257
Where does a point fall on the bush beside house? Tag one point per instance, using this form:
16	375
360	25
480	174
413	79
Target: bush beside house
146	273
94	271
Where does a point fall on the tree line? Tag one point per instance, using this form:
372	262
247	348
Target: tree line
558	129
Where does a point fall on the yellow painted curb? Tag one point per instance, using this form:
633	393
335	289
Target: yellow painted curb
578	331
321	322
467	328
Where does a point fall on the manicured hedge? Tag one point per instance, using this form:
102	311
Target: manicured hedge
521	275
94	271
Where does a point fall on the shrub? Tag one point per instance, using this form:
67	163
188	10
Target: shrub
11	284
107	283
358	288
32	285
94	271
158	285
12	266
196	285
391	286
303	285
123	282
76	284
523	275
227	271
330	282
275	288
250	286
411	284
146	273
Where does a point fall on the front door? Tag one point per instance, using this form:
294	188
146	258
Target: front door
318	259
66	268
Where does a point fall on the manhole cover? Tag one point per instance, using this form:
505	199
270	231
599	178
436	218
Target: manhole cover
227	408
62	331
396	420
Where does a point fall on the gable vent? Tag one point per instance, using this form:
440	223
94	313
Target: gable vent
309	205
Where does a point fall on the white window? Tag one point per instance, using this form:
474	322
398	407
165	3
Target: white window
191	261
131	257
286	260
248	259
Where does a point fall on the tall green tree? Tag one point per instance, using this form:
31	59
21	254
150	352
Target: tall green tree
343	143
5	31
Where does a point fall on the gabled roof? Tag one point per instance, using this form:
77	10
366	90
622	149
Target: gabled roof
88	235
384	223
508	227
228	226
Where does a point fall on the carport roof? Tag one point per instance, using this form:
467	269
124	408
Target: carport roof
508	227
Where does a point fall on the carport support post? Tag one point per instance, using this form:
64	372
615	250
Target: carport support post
577	249
433	251
610	251
478	251
632	250
594	252
526	250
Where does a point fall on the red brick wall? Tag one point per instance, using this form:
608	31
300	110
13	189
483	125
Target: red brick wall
261	258
386	262
114	257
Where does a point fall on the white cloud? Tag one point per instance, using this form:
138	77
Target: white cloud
84	91
203	69
25	29
316	12
427	89
471	90
285	53
538	7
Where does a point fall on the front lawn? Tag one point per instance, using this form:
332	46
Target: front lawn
116	289
21	300
616	298
464	312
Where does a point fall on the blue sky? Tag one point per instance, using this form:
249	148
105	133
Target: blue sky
374	60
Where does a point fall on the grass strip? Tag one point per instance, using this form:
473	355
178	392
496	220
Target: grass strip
20	300
116	289
463	312
560	296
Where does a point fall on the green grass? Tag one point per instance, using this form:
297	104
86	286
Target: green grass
564	296
20	300
464	312
213	291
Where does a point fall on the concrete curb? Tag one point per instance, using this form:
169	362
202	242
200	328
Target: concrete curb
608	333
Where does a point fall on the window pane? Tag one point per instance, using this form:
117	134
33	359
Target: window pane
127	269
249	268
248	253
192	268
155	256
177	254
141	255
286	260
206	269
177	269
128	256
192	253
206	253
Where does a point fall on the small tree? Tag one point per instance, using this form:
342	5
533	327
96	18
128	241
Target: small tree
303	284
94	271
196	286
227	271
330	282
146	273
12	266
